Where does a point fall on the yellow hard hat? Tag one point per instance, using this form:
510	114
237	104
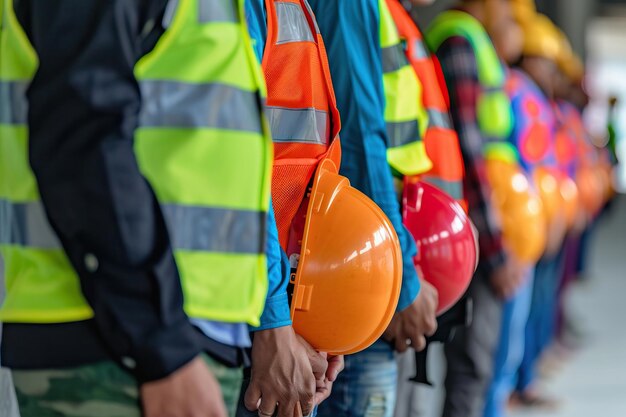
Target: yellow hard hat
523	10
575	70
541	38
518	205
568	62
565	53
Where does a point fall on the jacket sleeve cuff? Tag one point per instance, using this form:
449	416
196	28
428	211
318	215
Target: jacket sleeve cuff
163	353
276	313
410	286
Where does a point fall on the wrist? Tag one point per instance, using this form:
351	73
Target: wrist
163	353
274	337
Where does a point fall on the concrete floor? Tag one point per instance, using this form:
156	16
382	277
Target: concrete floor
592	383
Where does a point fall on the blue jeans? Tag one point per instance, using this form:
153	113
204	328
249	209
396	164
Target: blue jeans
366	387
542	318
510	350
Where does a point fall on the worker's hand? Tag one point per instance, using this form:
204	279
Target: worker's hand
335	366
192	391
318	360
506	279
411	326
282	374
325	385
325	369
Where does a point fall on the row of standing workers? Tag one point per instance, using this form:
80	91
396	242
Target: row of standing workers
229	207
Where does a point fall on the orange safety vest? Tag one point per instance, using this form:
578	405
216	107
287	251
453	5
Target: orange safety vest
301	109
441	140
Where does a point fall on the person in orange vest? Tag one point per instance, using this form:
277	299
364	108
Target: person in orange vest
440	139
304	122
367	67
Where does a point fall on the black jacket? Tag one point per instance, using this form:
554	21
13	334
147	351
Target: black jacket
83	109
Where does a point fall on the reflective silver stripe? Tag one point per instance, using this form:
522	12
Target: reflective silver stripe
298	125
185	105
212	11
453	188
402	133
394	58
308	8
2	286
293	25
212	229
437	118
491	89
5	222
170	12
207	229
13	104
26	224
419	50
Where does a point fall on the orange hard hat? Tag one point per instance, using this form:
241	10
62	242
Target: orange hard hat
591	188
547	183
524	229
347	283
569	195
520	209
499	173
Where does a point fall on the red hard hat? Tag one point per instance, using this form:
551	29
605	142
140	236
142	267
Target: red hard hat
446	242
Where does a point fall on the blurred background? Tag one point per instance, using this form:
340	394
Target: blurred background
590	381
597	31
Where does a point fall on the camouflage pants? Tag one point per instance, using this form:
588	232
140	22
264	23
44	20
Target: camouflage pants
8	403
99	390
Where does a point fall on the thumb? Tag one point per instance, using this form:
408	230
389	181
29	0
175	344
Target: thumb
335	366
319	365
252	397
